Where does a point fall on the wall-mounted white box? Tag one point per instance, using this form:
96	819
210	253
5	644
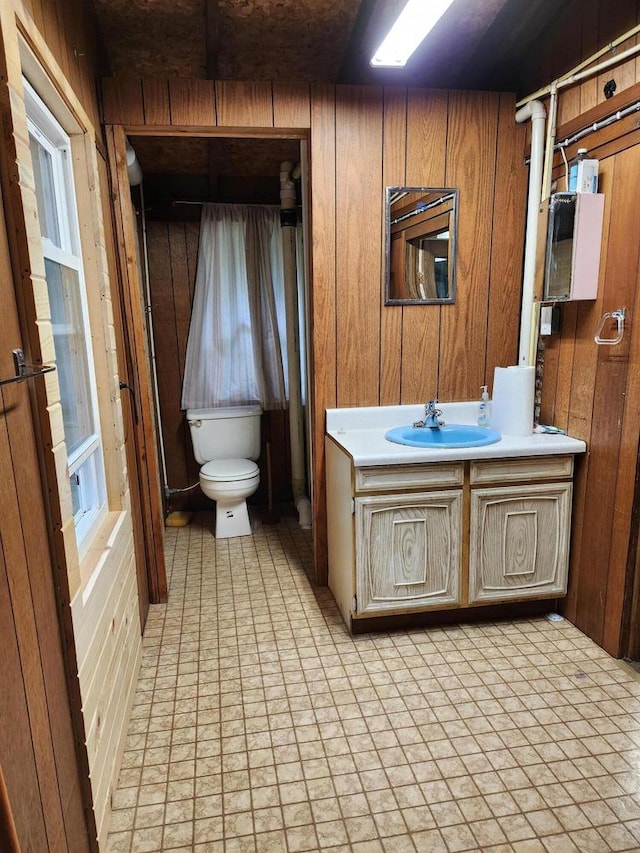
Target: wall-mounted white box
574	238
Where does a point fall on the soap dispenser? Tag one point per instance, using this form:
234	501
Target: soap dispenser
484	409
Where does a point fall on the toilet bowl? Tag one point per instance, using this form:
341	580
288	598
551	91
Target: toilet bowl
229	482
226	442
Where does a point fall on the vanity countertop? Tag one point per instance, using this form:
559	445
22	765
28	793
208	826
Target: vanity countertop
360	432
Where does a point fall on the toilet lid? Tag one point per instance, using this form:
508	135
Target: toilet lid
223	470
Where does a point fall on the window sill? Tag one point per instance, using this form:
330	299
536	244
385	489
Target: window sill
101	549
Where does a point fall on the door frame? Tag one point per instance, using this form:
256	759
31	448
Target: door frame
134	322
142	457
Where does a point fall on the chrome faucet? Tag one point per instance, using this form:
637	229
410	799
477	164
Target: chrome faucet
432	416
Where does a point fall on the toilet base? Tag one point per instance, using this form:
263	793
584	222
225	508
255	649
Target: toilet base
232	519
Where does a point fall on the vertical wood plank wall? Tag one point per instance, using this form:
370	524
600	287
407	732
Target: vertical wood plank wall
69	30
594	392
361	137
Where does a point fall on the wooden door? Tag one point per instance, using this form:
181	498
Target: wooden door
141	540
45	772
130	313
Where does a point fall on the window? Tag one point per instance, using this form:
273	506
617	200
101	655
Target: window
58	218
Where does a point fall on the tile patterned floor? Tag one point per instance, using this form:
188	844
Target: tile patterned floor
260	724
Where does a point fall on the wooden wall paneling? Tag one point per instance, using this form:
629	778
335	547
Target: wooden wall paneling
122	101
564	34
558	369
192	102
178	248
359	191
626	503
9	840
394	135
291	105
163	312
34	8
18	758
608	403
550	347
59	25
53	698
620	384
615	19
145	432
192	240
507	239
323	298
581	402
184	253
53	33
172	251
155	99
192	237
87	49
471	153
244	104
426	146
589	16
588	317
607	142
564	382
588	117
25	548
74	27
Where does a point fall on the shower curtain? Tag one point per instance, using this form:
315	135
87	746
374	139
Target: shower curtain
234	351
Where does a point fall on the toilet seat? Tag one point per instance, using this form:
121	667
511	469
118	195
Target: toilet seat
229	470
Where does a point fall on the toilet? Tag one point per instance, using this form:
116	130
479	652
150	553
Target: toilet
226	442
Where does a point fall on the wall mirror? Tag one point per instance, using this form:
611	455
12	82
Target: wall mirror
420	235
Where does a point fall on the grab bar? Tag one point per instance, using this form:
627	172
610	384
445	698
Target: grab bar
21	369
619	316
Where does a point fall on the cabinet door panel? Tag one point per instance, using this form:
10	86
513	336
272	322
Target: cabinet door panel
519	541
408	550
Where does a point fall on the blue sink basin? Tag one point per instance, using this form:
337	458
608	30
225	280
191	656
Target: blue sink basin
450	435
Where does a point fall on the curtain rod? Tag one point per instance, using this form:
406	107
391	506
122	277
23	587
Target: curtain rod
240	203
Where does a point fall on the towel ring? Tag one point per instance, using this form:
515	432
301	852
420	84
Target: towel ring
619	316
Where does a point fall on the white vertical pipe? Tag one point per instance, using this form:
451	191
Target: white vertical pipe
535	111
296	425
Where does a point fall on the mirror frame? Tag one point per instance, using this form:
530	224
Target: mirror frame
453	240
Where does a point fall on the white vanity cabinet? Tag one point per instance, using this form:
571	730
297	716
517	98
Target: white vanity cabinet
442	535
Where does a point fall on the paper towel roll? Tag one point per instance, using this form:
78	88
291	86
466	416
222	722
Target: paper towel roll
513	398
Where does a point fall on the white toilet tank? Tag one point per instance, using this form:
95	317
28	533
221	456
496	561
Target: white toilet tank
229	433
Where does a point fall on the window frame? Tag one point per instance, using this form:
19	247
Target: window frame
89	455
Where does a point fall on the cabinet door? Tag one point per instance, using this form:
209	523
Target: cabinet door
408	550
519	542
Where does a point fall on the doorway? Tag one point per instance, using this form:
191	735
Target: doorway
179	174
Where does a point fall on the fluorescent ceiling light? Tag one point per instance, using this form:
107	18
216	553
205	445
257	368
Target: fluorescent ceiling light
414	22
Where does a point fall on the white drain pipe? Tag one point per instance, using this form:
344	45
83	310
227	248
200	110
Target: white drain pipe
535	111
288	221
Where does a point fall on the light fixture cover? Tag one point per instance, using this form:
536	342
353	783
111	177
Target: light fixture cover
414	22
